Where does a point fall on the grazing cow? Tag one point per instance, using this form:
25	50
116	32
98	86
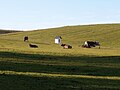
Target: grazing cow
89	44
65	46
33	46
25	38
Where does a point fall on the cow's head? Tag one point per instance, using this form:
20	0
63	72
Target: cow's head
63	44
97	43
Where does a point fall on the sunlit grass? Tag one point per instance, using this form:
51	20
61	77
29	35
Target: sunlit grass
34	74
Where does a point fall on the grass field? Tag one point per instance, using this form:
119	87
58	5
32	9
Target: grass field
50	67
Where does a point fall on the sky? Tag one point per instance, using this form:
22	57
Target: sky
42	14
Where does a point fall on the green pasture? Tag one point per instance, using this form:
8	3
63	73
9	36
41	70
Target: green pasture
48	72
50	67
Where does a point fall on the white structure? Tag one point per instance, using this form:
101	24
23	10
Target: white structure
58	39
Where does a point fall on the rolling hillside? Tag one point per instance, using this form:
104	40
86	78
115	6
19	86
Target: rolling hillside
50	67
7	31
107	34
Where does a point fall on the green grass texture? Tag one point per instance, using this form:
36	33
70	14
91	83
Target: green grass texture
50	67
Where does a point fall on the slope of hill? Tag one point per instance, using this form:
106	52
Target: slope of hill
107	34
50	67
7	31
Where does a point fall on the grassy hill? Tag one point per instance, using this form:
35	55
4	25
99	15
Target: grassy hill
50	67
7	31
107	35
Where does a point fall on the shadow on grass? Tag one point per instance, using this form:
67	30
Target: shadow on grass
16	82
84	65
55	57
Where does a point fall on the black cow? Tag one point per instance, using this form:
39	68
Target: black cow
25	38
89	44
33	46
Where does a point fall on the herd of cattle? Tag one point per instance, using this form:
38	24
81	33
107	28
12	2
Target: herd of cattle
87	44
31	45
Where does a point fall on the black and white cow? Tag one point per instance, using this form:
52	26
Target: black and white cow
89	44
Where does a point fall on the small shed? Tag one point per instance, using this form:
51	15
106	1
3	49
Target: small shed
58	39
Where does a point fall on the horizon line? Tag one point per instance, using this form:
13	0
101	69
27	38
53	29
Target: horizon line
57	26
